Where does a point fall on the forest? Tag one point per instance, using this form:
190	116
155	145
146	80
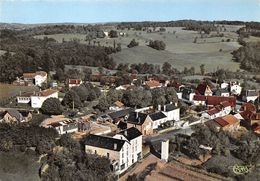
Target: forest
26	54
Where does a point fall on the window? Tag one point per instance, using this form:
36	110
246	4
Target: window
107	155
122	166
123	155
95	151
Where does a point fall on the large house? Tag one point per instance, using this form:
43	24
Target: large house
134	137
38	98
124	149
37	78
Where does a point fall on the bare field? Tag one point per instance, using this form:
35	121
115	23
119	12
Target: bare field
181	51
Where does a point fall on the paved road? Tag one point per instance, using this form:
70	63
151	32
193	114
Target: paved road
168	135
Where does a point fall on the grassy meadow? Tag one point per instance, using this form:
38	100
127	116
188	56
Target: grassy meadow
181	51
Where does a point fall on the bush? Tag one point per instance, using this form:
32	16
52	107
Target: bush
133	43
158	45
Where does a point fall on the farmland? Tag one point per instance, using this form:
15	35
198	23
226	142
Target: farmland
181	51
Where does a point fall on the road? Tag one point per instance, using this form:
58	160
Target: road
168	135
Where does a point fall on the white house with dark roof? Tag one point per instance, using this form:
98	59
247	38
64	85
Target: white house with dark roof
251	95
171	111
158	118
134	137
116	150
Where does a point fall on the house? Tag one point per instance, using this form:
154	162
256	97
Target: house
118	105
64	127
212	113
224	85
134	137
226	107
37	78
118	151
251	95
152	84
13	116
222	92
188	93
38	98
141	122
120	114
171	111
124	87
199	100
204	89
227	123
235	88
74	83
158	118
248	107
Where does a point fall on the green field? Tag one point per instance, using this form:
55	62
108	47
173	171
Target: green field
180	50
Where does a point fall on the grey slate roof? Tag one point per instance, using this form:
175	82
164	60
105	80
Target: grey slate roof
157	115
136	118
169	107
130	133
104	142
16	114
121	113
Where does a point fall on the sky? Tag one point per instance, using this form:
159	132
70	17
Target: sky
99	11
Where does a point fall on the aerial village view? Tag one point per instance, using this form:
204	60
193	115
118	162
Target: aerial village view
130	90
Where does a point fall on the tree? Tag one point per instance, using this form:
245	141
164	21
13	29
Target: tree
133	43
158	45
71	99
113	34
52	106
166	68
202	69
103	104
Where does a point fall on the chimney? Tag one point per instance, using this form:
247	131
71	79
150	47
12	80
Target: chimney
176	104
164	108
136	115
115	146
139	119
159	107
125	132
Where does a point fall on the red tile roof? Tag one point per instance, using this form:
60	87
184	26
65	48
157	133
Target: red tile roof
32	75
199	98
246	114
225	104
45	93
230	119
221	122
152	83
74	81
248	107
216	100
202	87
213	111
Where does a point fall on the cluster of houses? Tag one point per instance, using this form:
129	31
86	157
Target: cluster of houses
118	134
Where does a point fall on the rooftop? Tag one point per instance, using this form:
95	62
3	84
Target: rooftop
130	133
157	115
104	142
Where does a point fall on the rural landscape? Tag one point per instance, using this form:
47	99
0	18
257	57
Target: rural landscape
175	100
